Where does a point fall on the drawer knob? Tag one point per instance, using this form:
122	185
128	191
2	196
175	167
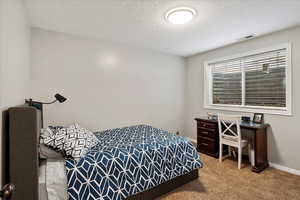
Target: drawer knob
205	132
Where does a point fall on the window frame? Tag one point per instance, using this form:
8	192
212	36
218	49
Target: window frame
208	103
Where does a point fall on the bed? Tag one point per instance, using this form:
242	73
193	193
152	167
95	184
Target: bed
136	162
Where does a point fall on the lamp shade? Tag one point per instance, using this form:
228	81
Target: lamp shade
60	98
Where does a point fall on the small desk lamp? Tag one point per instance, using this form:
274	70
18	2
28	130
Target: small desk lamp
39	105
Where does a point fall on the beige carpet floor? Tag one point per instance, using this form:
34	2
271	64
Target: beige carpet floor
224	181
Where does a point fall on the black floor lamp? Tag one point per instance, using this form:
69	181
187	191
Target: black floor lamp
39	105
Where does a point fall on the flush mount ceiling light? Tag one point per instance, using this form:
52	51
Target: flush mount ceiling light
180	15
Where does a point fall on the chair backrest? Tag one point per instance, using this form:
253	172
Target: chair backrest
229	127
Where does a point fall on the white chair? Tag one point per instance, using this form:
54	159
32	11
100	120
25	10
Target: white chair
230	134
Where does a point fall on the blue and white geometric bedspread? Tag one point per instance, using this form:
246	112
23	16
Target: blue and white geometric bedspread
128	161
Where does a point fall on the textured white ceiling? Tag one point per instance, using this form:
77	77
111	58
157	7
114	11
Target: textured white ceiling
141	22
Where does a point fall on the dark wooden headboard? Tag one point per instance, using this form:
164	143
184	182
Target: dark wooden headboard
23	129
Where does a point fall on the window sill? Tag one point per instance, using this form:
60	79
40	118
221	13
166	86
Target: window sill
251	109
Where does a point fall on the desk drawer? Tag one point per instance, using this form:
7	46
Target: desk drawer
207	133
206	145
207	125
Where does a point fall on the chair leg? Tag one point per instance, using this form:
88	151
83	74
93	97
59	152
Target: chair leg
249	153
233	152
221	152
229	151
239	157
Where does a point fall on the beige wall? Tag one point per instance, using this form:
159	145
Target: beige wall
14	55
111	85
108	85
284	136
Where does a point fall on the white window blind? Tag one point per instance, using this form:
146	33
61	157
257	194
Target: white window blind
255	80
265	79
227	82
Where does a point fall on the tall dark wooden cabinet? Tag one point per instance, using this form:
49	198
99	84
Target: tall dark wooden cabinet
207	137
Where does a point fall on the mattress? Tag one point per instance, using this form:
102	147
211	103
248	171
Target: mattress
42	181
130	160
52	180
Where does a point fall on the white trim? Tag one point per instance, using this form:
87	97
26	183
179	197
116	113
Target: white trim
242	108
193	140
284	168
273	165
250	109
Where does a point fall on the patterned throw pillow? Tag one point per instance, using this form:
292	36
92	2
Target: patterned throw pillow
51	137
78	141
73	141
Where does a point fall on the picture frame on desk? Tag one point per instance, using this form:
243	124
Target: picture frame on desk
258	118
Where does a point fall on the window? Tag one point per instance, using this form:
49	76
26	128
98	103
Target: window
258	81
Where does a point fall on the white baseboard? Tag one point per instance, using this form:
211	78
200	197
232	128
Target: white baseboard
193	140
284	168
276	166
